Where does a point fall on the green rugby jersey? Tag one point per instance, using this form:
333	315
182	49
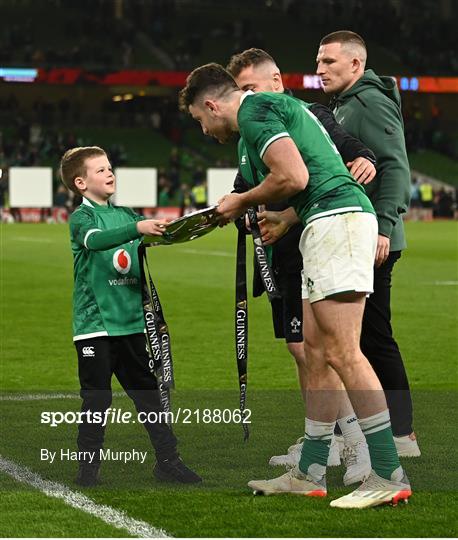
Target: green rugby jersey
245	167
248	172
265	117
107	297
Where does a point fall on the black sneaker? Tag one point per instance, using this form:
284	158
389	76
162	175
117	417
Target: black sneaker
88	474
175	470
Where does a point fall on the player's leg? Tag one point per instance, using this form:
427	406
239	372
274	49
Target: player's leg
94	371
351	446
339	321
287	321
382	351
296	350
354	449
342	249
133	372
322	406
287	324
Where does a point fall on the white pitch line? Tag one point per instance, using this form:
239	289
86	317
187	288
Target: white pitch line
202	252
75	499
445	283
44	397
33	239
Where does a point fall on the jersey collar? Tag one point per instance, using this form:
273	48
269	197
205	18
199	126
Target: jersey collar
87	202
245	94
93	204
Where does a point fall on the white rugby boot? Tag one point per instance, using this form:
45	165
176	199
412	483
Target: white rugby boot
291	458
407	446
357	461
375	491
293	481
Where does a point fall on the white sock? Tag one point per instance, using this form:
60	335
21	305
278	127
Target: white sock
351	429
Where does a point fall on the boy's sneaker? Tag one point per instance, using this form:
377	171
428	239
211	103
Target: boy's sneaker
88	474
375	491
175	470
293	481
407	446
357	461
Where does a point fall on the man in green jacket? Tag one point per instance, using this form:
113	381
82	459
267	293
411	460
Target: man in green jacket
369	108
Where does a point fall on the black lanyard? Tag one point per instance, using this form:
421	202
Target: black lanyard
260	254
241	303
157	333
241	325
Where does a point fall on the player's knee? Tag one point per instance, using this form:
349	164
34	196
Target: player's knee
341	359
297	352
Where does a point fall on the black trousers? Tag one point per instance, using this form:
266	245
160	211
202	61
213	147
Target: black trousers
126	357
382	351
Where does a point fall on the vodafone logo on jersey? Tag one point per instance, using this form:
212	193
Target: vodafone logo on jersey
122	261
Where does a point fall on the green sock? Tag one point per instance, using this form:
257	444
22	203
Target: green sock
379	437
315	449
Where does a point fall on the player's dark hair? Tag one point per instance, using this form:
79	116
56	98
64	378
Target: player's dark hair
73	164
249	57
345	37
210	78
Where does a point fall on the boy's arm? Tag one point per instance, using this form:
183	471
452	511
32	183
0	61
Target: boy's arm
86	233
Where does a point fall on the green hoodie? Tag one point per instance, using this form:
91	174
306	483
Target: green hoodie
371	111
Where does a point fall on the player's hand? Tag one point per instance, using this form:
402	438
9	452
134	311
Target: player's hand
247	223
272	226
231	206
383	250
362	170
222	221
154	227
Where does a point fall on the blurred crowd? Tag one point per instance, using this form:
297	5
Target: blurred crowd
22	41
428	202
423	34
426	131
421	31
182	183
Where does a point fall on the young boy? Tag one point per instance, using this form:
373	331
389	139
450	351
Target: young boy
108	324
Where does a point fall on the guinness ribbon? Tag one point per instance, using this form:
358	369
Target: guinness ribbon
241	325
157	334
265	270
241	302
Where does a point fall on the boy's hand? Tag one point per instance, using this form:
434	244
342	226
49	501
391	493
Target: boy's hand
154	227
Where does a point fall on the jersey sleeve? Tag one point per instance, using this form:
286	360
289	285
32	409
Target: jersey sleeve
261	124
85	232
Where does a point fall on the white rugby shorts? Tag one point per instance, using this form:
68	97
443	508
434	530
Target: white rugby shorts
338	254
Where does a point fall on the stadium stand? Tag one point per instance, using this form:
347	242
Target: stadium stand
142	126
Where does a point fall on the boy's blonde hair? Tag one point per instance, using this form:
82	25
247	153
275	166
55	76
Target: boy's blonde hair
73	164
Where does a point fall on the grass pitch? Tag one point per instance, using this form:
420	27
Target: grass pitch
196	284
